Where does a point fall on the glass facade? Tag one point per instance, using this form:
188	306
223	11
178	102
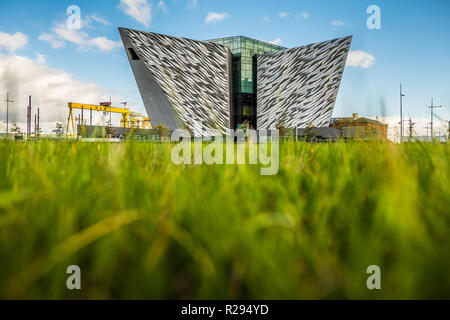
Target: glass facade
245	51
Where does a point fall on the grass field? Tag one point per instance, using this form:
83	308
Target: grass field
142	227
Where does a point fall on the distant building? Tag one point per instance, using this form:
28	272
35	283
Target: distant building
360	128
101	132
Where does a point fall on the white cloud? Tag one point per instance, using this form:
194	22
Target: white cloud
162	6
61	34
140	10
51	89
360	59
277	41
52	40
304	15
41	58
12	42
215	17
71	35
104	44
100	20
283	15
338	23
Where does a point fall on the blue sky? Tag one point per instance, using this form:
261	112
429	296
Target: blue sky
413	46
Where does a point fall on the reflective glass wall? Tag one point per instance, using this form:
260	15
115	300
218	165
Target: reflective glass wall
244	52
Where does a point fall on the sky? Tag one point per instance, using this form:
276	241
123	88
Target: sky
41	56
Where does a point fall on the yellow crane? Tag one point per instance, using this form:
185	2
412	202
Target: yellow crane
137	120
129	119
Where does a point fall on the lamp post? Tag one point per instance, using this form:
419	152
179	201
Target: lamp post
432	107
7	112
448	131
401	113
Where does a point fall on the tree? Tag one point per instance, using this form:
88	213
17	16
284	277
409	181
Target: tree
279	126
246	125
38	132
16	131
161	131
59	131
109	131
310	134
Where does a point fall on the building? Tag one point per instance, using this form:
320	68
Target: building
244	71
360	128
211	86
121	133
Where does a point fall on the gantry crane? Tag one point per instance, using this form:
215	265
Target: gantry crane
137	120
129	119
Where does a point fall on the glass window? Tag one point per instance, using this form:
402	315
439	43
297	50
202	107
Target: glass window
247	62
247	78
243	46
260	46
238	45
246	110
247	89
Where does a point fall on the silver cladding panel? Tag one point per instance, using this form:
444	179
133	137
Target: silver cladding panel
194	76
297	88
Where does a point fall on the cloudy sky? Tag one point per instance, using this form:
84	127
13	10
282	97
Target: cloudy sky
41	56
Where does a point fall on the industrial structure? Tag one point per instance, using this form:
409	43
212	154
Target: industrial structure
129	119
211	86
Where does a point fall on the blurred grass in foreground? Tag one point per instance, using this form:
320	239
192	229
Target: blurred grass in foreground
142	227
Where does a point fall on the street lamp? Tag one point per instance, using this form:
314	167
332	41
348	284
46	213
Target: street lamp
432	107
401	113
7	112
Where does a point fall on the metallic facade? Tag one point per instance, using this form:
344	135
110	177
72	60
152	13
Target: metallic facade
297	88
184	83
212	86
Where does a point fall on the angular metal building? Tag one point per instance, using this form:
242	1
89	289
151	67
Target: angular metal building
183	83
215	85
298	87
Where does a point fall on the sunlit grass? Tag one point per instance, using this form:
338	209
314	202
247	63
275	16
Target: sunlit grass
141	227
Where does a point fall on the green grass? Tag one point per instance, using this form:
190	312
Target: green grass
142	227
